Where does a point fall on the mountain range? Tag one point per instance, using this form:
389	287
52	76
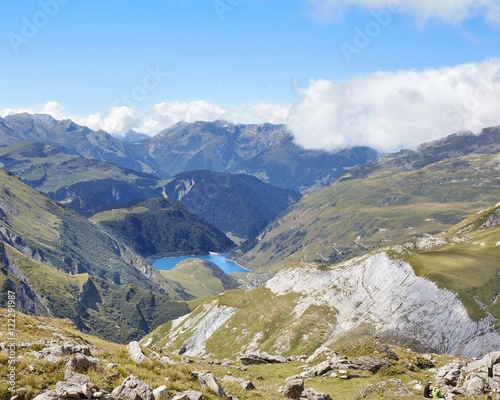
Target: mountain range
266	151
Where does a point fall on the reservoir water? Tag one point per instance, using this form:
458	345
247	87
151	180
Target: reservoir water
217	259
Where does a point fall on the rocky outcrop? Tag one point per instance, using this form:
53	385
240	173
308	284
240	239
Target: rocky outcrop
261	358
210	318
81	363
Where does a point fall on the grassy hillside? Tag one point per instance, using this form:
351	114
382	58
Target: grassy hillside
383	206
200	278
95	305
48	232
162	227
465	260
83	185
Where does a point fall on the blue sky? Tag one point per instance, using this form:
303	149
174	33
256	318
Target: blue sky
90	55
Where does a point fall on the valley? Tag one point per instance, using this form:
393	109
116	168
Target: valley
399	252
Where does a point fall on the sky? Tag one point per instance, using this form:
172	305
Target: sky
339	73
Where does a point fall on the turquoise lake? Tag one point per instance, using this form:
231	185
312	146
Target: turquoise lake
217	259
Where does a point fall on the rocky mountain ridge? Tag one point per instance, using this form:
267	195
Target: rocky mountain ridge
266	151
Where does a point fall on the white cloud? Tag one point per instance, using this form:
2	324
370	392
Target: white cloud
388	110
451	11
385	110
117	120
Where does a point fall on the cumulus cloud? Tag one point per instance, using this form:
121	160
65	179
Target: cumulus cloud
450	11
384	110
389	110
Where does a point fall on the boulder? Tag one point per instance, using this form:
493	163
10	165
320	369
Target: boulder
135	352
50	395
474	385
75	377
369	363
313	394
161	393
209	382
193	394
293	389
449	374
181	397
261	358
133	388
81	363
167	360
69	390
318	370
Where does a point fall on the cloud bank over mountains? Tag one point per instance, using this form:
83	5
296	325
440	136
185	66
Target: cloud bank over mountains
385	110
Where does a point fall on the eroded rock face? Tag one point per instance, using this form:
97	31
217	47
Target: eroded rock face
395	301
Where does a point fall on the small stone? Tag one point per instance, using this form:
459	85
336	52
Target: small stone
160	393
247	385
193	394
111	365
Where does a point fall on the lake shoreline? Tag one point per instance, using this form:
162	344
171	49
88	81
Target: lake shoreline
226	265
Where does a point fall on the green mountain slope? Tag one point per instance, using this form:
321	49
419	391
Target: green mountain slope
115	312
48	232
383	203
436	293
200	278
82	185
162	227
238	204
49	253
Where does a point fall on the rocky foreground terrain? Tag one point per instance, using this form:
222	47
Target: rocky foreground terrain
55	361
